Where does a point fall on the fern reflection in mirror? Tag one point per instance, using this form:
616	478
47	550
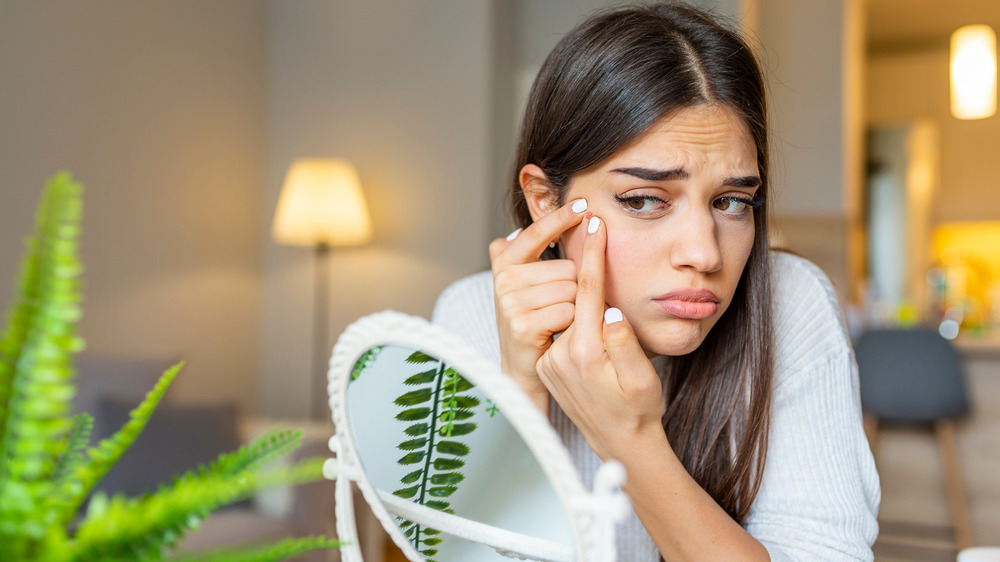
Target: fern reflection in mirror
425	435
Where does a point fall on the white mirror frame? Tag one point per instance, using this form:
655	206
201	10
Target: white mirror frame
592	516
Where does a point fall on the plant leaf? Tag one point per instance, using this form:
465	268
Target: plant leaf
447	479
456	415
411	477
414	397
412	444
466	402
442	491
448	464
417	429
101	457
452	448
36	347
280	550
458	429
407	493
418	357
76	441
272	444
365	362
425	377
412	458
133	528
413	414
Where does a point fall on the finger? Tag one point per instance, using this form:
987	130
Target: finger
528	245
625	353
518	277
536	297
590	283
537	326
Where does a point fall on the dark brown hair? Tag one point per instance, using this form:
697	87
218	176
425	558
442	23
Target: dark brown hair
606	83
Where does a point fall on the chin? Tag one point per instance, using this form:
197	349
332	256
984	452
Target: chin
672	340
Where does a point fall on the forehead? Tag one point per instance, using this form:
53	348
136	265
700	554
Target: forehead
698	133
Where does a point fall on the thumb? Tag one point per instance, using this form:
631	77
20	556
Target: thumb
635	372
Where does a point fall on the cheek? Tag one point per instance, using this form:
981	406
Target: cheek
624	266
621	261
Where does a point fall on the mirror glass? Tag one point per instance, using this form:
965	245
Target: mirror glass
426	435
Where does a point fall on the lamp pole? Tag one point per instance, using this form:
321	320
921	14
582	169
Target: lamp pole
321	313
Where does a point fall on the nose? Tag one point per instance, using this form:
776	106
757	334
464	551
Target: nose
696	243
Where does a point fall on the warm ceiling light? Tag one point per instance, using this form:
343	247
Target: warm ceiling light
321	203
973	72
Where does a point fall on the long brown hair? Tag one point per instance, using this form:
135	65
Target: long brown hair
603	85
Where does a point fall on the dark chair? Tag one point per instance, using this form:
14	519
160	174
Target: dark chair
916	377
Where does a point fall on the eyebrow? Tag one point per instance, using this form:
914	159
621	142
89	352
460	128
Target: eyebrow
649	174
654	175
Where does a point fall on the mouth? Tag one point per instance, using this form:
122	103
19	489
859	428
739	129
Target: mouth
693	304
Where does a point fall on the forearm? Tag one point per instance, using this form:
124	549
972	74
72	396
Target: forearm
680	516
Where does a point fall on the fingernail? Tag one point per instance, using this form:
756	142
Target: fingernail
514	234
613	315
580	205
594	224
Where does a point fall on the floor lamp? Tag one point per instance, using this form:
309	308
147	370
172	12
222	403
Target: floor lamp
321	205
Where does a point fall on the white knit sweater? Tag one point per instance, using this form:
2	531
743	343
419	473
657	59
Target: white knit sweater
820	491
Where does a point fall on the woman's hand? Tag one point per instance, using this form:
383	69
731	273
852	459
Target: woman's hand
597	371
534	299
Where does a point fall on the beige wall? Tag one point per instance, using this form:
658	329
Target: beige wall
905	87
403	90
811	53
158	109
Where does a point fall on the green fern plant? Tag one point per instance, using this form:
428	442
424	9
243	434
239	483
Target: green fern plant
48	467
440	407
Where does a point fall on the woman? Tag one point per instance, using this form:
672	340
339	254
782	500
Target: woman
640	307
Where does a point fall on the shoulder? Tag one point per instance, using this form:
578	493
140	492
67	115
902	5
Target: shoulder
467	310
807	320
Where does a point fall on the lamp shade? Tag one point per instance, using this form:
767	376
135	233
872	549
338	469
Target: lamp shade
321	203
973	72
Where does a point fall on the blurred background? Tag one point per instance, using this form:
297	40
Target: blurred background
183	117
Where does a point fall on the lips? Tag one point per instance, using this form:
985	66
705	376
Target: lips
694	304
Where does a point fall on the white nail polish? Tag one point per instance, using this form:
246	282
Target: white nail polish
514	234
613	315
580	206
595	223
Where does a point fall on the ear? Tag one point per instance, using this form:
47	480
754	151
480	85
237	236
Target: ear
538	192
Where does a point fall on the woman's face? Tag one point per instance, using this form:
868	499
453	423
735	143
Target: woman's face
677	205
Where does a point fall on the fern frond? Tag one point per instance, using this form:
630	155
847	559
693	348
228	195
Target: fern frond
35	362
365	362
73	445
268	553
101	457
144	527
419	357
267	447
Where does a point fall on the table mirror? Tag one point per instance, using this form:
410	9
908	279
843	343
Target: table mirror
454	461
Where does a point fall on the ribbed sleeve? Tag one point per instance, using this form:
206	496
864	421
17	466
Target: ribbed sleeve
820	492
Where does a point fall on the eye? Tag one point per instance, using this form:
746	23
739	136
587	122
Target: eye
736	206
641	205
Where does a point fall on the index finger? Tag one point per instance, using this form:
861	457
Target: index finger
589	317
532	241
